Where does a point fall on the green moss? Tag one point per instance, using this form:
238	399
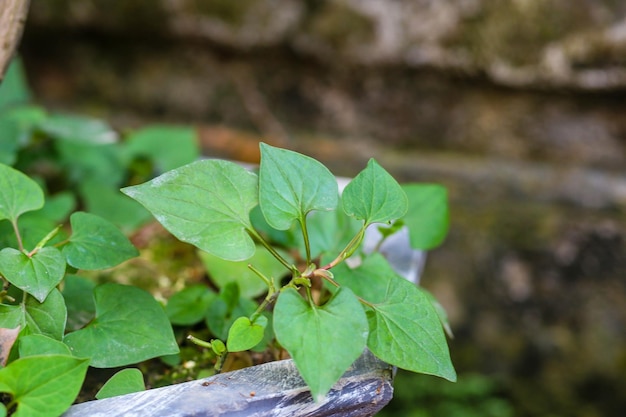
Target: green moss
232	12
518	32
341	26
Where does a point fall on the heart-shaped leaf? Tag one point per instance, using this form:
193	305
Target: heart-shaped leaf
244	334
291	185
405	329
123	382
39	344
44	385
96	243
427	217
374	196
206	203
78	295
18	194
190	305
130	326
47	318
38	274
11	316
323	341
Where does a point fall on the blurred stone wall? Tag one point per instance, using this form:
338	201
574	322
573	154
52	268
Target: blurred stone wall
519	107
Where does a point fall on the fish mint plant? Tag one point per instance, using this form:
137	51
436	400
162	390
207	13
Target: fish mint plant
54	324
321	310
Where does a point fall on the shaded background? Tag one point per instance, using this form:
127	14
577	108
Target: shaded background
518	107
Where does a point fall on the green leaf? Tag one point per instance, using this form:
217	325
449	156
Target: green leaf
130	327
123	382
427	217
44	385
190	305
39	344
9	140
291	185
226	308
374	196
18	194
329	233
250	285
108	203
79	129
323	341
405	329
78	295
11	316
206	203
169	147
95	243
17	125
58	206
47	318
244	334
92	163
37	274
14	88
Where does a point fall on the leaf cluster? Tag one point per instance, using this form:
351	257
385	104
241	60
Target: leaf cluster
53	323
81	162
321	311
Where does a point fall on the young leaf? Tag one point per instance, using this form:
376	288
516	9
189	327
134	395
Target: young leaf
206	203
123	382
189	305
244	334
226	308
18	194
250	285
37	274
405	329
47	318
323	341
130	326
44	385
374	196
291	185
427	217
96	244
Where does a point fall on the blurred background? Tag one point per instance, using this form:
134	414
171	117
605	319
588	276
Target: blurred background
518	107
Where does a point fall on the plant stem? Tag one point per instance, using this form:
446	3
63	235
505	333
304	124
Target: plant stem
305	236
20	244
268	281
45	240
348	250
269	299
271	250
336	284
